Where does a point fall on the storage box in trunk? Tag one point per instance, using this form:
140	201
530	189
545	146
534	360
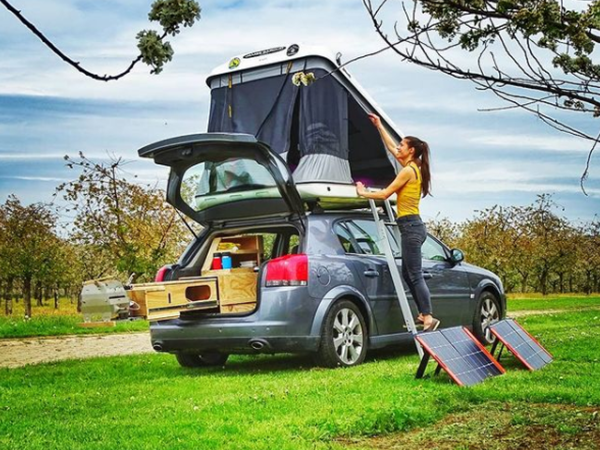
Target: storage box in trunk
217	291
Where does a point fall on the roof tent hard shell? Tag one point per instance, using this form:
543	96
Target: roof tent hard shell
320	129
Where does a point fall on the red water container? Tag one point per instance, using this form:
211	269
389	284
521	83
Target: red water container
216	262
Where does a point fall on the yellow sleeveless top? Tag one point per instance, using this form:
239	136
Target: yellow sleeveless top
409	195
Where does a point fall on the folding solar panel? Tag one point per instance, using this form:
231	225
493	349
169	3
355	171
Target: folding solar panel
458	352
521	344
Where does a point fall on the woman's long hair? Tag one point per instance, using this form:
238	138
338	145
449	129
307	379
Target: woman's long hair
422	153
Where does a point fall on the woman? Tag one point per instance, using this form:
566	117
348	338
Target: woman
412	182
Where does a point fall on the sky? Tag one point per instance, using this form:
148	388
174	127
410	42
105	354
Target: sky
48	110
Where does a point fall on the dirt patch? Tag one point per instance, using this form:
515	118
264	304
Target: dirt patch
21	352
498	427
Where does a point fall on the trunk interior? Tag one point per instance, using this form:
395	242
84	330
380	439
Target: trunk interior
222	277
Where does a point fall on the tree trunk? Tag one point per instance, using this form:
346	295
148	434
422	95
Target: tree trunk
544	282
561	282
38	293
47	293
8	309
27	296
524	282
571	283
588	282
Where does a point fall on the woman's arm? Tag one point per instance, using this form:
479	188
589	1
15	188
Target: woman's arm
401	179
385	137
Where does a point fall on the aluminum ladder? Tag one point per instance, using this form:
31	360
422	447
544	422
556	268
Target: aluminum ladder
391	261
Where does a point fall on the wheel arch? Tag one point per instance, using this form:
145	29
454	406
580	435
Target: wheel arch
489	286
343	293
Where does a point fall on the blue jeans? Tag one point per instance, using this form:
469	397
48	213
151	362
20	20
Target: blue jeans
414	234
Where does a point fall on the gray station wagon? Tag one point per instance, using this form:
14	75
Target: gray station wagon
297	267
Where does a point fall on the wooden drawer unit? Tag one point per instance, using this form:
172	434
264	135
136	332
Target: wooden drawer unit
158	301
236	287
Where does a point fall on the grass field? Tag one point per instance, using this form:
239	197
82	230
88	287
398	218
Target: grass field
284	402
520	302
47	321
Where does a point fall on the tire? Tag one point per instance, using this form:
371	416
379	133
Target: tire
487	313
344	336
207	359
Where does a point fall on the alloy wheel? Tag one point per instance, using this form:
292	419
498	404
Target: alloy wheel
490	314
348	339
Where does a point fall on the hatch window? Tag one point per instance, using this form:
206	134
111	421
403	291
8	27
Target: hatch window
231	179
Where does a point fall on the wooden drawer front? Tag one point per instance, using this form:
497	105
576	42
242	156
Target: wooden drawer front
165	300
237	287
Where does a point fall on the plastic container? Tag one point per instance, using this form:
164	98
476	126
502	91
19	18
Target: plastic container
226	260
216	262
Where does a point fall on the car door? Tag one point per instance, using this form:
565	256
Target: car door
219	178
448	284
359	239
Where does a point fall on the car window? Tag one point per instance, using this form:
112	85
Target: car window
365	235
360	236
294	244
433	250
345	238
233	175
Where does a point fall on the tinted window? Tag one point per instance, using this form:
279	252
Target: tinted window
360	236
345	237
433	250
365	235
234	175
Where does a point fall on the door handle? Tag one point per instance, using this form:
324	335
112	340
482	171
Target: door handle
427	275
371	273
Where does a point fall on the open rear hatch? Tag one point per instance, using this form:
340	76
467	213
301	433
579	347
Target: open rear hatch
217	178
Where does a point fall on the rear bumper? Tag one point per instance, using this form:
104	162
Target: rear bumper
239	345
281	323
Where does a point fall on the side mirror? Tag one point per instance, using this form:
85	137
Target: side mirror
456	256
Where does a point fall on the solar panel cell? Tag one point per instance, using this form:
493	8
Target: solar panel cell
521	344
458	353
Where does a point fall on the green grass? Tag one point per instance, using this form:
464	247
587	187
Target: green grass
16	327
518	302
47	321
281	402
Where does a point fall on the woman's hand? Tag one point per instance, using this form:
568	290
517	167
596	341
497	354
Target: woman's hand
375	120
360	189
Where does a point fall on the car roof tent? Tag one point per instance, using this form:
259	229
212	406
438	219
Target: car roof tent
320	129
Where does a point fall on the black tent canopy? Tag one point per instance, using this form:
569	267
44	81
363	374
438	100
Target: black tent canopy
321	130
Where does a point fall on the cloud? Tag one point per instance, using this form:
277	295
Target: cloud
531	141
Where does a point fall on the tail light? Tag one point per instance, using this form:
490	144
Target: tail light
160	275
289	270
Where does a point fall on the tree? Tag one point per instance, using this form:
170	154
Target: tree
30	245
588	256
533	54
549	234
490	240
445	230
154	50
120	226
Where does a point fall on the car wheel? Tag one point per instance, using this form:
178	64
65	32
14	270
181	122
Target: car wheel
487	313
344	336
201	359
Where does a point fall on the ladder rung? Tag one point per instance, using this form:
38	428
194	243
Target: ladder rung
390	223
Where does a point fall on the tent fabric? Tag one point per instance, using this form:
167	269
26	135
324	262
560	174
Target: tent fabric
321	127
262	108
324	118
324	168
